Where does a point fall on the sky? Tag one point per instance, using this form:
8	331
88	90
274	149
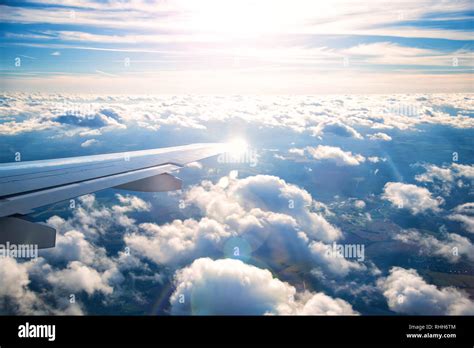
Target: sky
236	47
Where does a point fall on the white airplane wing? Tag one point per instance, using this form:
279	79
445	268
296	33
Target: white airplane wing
25	186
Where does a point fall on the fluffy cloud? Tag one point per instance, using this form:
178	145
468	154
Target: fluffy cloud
330	263
336	155
444	178
76	265
332	154
407	196
16	296
452	247
79	277
434	172
464	214
407	293
206	285
255	213
380	136
179	241
93	220
14	286
336	127
239	201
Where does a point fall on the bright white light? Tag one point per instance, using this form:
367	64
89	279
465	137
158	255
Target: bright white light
237	147
239	17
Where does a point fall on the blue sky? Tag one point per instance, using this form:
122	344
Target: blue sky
221	47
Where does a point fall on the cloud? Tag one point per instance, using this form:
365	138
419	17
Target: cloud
90	142
452	246
407	293
195	165
103	118
260	215
444	178
77	264
336	127
464	214
335	155
434	172
375	159
359	204
379	136
79	277
232	198
94	222
407	196
299	152
17	298
330	263
177	242
130	203
449	173
14	286
204	288
389	53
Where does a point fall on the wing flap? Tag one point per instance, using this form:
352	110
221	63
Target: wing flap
158	183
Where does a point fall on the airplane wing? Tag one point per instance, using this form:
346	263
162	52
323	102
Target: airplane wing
25	186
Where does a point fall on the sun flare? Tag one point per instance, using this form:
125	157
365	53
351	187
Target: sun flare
237	146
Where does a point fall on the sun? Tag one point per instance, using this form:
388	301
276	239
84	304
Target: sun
237	147
234	18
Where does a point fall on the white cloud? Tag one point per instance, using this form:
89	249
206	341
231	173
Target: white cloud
90	142
407	293
443	179
195	165
17	297
253	212
448	174
177	242
332	264
76	264
336	155
376	159
336	127
205	287
130	203
79	277
296	151
434	172
379	136
464	214
407	196
280	201
452	246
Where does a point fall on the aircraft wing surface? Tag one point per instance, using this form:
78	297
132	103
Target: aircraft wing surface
27	185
